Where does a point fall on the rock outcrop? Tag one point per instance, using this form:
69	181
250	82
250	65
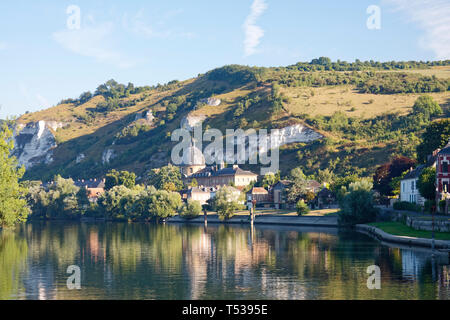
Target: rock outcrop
34	142
189	122
213	102
147	116
108	155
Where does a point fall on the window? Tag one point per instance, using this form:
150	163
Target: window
445	167
412	185
445	186
403	186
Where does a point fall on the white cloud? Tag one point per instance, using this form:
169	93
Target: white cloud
253	33
140	26
432	16
91	42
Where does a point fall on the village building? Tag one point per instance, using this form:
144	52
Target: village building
408	186
443	178
279	193
260	195
409	192
200	194
94	187
193	166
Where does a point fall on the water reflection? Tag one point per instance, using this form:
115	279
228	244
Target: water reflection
138	261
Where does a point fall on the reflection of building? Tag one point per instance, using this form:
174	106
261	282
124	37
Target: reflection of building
412	264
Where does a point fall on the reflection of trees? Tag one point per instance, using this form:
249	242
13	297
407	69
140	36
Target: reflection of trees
136	261
13	253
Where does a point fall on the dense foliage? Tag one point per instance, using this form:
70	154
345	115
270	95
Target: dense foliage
385	173
116	178
166	178
436	135
357	204
427	183
13	206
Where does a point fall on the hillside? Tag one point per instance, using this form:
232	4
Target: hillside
362	109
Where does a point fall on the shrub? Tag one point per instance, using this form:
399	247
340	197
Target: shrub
407	206
357	204
302	207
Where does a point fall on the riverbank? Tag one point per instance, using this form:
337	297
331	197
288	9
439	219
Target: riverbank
319	221
402	239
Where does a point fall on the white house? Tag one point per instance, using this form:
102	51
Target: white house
408	186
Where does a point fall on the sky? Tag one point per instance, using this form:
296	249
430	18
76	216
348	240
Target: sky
55	49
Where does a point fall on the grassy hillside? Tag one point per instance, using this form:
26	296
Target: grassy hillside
363	111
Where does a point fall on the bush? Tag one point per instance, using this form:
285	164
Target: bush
429	205
191	210
442	205
302	208
407	206
357	204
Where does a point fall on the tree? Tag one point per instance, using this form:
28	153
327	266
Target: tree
427	106
116	178
426	183
226	203
192	209
436	135
299	186
357	204
325	176
111	204
194	183
164	204
385	173
13	204
302	207
270	179
166	178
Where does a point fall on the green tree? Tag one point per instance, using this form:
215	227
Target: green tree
166	178
427	106
116	178
191	210
270	179
13	204
111	204
325	176
226	203
426	183
357	204
165	204
436	135
302	207
194	183
299	186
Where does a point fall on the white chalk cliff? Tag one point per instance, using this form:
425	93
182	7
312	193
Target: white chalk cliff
34	142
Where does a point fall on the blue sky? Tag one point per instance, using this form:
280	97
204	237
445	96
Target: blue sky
147	42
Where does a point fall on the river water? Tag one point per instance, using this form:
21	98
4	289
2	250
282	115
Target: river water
145	261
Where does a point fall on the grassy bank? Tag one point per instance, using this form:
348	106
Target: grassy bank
399	229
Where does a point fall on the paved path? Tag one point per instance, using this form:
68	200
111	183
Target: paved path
265	219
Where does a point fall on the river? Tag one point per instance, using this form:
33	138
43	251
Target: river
145	261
